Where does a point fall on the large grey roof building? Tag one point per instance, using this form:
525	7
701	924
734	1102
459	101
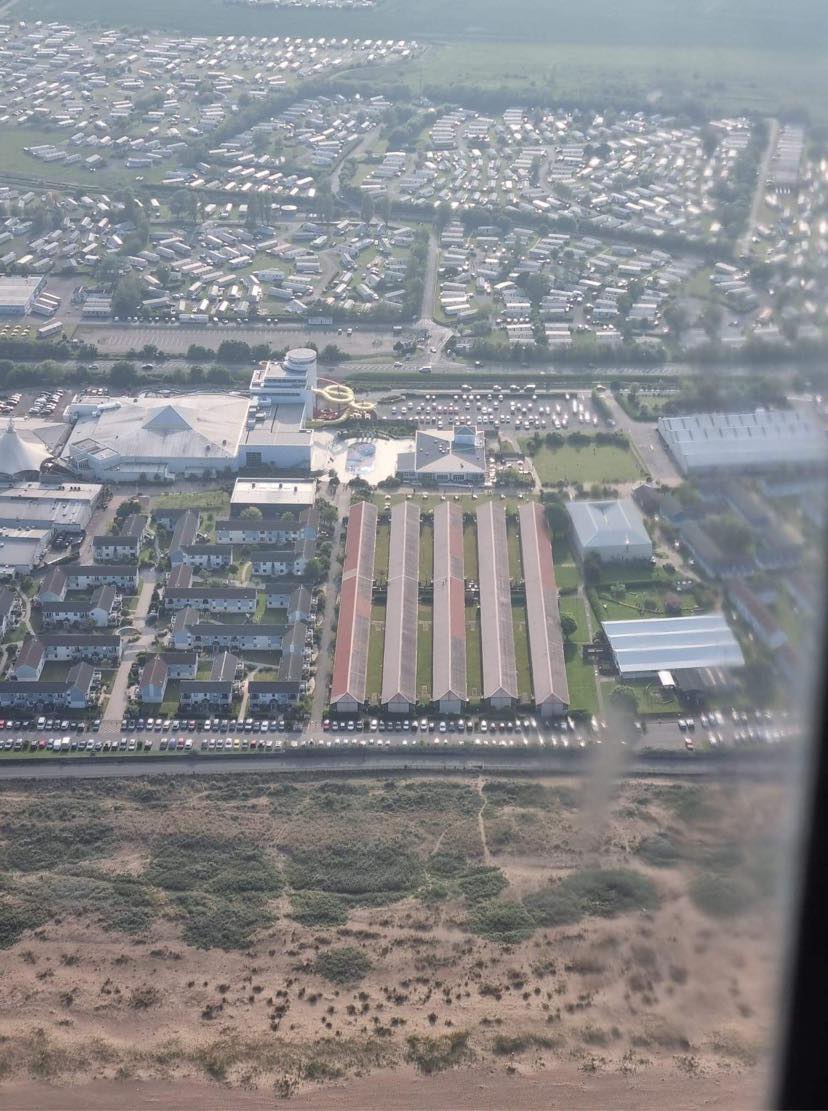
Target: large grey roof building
157	437
713	442
643	647
353	631
399	661
455	457
500	685
449	683
546	647
613	530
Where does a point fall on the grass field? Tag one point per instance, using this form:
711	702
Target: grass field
381	551
583	694
470	564
474	658
376	645
515	558
424	655
524	670
603	463
215	500
634	604
567	573
426	552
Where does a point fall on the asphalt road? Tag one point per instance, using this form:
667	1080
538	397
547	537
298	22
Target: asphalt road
753	765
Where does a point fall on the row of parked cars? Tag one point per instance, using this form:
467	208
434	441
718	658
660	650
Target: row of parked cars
442	725
222	725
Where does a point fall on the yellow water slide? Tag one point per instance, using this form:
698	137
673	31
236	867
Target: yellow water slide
342	400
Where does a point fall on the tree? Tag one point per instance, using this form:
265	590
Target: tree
557	517
366	208
711	319
251	513
126	300
592	567
314	570
624	697
123	375
569	626
184	204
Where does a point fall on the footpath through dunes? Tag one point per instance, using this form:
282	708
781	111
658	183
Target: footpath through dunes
483	1089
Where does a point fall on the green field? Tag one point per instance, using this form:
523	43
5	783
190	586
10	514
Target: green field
639	603
474	658
524	670
426	552
470	564
376	644
603	463
515	558
424	654
215	500
381	551
583	694
567	573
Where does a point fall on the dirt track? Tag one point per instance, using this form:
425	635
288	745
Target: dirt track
485	1089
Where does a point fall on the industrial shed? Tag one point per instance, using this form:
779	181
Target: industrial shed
642	648
399	661
449	684
500	685
350	669
613	530
706	443
546	647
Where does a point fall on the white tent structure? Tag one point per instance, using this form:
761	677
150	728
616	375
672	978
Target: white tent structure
21	455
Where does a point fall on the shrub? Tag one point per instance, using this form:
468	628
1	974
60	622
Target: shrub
359	869
504	922
188	863
216	923
430	1055
16	921
35	846
553	907
482	883
318	908
606	892
723	896
343	966
659	850
598	892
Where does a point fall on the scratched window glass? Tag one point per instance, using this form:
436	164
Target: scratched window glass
412	513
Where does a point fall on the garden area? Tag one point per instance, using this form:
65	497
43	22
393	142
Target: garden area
585	460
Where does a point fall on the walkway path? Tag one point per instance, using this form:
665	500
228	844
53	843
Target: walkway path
324	659
116	706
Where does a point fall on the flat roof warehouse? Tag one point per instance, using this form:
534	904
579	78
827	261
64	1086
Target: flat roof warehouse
642	648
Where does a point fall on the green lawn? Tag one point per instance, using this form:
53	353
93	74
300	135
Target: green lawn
567	572
474	658
515	558
426	552
602	463
633	604
381	551
215	500
169	707
583	694
376	644
470	564
524	670
424	652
